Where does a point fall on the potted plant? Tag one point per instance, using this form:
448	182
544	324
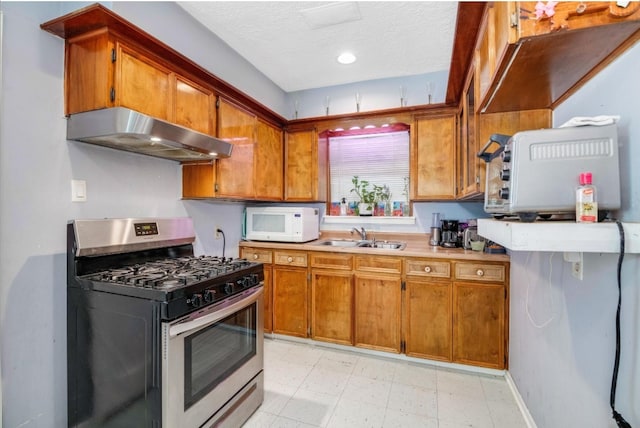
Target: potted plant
368	198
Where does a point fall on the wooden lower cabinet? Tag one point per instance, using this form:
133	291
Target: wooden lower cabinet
290	293
332	297
428	319
263	256
480	314
290	297
450	310
331	306
268	298
377	311
479	324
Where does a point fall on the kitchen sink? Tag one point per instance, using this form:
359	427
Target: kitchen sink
352	243
339	242
387	245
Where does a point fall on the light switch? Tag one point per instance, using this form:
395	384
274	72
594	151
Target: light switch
78	191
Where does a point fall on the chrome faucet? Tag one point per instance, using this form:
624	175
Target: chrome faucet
361	232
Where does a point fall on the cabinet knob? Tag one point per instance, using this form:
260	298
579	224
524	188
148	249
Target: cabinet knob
289	259
480	272
427	269
255	257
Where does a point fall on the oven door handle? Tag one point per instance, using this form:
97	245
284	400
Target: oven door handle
216	312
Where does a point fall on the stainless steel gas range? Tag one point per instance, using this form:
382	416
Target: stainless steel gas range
157	337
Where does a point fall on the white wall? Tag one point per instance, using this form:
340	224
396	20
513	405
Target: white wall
374	95
562	350
37	164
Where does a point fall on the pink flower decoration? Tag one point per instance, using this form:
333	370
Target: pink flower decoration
545	9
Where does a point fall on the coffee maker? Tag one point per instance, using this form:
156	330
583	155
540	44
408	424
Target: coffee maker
449	238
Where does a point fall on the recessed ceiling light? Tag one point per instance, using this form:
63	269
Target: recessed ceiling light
347	58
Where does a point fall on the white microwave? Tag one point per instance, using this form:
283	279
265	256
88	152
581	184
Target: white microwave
281	224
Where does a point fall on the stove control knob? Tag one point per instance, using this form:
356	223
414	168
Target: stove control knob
505	175
228	288
209	296
242	282
255	279
196	300
506	155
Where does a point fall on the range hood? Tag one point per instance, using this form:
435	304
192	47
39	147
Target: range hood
125	129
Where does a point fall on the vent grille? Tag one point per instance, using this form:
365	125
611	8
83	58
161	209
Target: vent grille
572	149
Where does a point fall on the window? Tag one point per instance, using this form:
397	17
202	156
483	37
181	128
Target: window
379	156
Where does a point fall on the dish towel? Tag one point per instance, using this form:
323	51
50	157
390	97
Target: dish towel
594	120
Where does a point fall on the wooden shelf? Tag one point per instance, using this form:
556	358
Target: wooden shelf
563	236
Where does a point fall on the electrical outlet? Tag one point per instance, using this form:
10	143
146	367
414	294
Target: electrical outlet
218	232
576	260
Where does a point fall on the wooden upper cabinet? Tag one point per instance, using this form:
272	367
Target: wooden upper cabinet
268	162
469	165
255	168
432	166
195	106
235	174
305	166
89	72
527	63
142	84
103	71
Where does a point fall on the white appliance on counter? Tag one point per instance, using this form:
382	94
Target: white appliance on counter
281	224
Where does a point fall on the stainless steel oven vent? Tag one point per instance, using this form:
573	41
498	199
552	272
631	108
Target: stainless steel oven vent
124	129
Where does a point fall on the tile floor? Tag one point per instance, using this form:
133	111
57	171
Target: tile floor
316	386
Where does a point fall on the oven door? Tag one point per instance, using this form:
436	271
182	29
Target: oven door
211	357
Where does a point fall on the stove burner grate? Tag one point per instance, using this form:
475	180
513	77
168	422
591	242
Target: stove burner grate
170	273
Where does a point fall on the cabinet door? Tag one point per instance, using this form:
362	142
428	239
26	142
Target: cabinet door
235	174
268	298
479	317
268	158
305	167
88	73
331	306
199	180
264	256
194	107
469	164
377	311
428	319
290	296
142	84
433	158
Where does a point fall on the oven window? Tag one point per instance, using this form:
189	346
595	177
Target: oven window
214	353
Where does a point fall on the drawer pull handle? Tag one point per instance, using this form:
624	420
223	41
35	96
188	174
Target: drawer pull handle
255	257
427	269
289	259
480	272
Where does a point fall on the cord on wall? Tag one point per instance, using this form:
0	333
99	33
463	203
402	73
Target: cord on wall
224	239
622	423
553	316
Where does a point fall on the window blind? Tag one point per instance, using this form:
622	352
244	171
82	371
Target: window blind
377	158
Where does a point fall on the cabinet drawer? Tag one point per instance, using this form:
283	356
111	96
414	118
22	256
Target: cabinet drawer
378	264
425	267
332	261
290	258
480	272
257	255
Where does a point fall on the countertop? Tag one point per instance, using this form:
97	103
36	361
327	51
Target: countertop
417	246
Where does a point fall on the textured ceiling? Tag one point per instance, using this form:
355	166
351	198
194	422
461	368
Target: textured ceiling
296	43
